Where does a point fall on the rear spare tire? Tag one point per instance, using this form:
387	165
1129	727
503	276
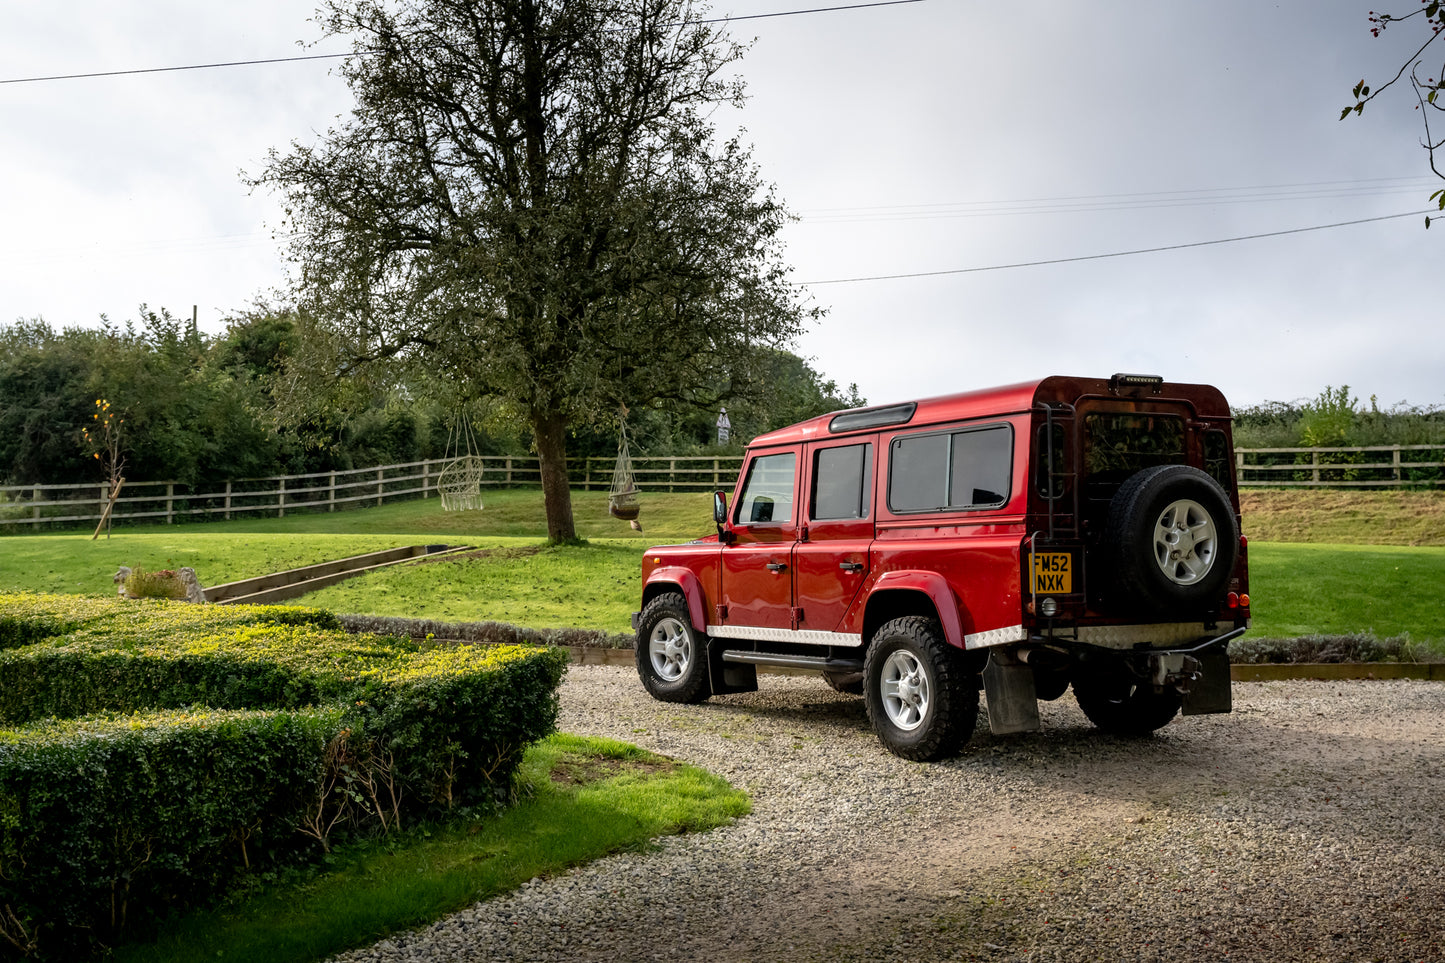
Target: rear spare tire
1171	539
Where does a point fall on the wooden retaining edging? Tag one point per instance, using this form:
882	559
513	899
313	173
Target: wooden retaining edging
292	583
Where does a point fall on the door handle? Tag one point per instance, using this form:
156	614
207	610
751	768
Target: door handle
851	566
776	566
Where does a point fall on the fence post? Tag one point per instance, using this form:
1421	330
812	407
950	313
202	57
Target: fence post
228	501
424	466
35	510
281	498
331	494
379	472
1315	461
509	471
1398	476
170	500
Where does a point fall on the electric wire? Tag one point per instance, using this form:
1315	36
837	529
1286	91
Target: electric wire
1111	254
367	53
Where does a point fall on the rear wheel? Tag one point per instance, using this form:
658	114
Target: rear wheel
1125	708
917	689
671	654
848	683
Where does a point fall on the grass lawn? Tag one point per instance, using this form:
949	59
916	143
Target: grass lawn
1319	589
1297	587
582	798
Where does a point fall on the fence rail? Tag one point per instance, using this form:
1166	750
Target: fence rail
168	501
1386	466
1376	466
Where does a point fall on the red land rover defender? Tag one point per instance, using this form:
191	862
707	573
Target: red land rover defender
1018	540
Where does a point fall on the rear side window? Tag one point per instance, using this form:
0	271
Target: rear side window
840	482
768	494
957	470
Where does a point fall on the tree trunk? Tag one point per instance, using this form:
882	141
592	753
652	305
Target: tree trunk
549	434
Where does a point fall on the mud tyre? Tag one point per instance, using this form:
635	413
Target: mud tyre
920	696
671	654
1124	708
1171	540
848	683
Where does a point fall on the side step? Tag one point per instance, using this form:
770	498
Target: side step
292	583
817	663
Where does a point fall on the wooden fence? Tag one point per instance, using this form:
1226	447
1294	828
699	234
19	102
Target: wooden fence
1378	466
1395	466
73	505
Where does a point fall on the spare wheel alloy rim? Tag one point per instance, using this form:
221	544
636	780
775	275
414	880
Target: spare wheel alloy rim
670	648
1185	541
904	686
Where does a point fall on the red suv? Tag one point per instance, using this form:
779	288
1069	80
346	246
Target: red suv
1019	540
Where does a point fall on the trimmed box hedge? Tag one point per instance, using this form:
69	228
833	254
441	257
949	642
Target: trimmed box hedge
125	716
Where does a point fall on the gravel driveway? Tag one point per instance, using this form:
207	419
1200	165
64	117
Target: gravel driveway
1307	825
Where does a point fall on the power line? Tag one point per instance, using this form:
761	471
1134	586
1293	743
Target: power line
1100	203
1100	257
367	53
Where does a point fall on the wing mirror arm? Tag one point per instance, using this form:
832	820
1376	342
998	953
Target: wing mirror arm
720	518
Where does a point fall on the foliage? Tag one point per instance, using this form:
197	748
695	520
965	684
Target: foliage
1350	647
149	820
580	798
1429	23
106	823
528	203
164	584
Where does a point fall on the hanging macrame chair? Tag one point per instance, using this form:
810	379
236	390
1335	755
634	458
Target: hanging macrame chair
460	481
622	498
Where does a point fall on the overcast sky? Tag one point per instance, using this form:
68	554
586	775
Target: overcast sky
934	136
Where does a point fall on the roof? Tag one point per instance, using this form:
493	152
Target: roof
994	402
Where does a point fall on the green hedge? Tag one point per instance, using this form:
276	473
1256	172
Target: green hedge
108	824
195	730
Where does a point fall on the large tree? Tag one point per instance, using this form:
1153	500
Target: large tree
1426	82
530	201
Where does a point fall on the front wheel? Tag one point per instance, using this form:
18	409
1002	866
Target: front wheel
919	698
671	655
1126	708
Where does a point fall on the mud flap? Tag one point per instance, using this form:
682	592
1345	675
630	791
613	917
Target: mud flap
1008	685
725	677
1211	691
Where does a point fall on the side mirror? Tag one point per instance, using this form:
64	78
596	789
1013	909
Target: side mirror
720	517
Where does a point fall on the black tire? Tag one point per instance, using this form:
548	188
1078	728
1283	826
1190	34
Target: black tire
1124	708
1171	540
1049	686
848	683
671	654
921	701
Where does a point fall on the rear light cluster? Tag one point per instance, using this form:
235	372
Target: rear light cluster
1236	601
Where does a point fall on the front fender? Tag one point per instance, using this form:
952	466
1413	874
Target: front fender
936	588
683	579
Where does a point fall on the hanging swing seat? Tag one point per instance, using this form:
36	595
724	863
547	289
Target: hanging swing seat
460	481
622	501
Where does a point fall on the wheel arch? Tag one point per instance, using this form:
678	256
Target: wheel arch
676	578
927	594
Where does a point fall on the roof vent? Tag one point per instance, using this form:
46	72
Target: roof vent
860	418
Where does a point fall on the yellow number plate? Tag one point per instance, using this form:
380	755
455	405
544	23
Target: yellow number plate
1053	573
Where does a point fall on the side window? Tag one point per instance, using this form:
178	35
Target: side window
768	492
961	470
841	479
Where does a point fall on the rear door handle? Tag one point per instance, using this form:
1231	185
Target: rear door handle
776	566
851	566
